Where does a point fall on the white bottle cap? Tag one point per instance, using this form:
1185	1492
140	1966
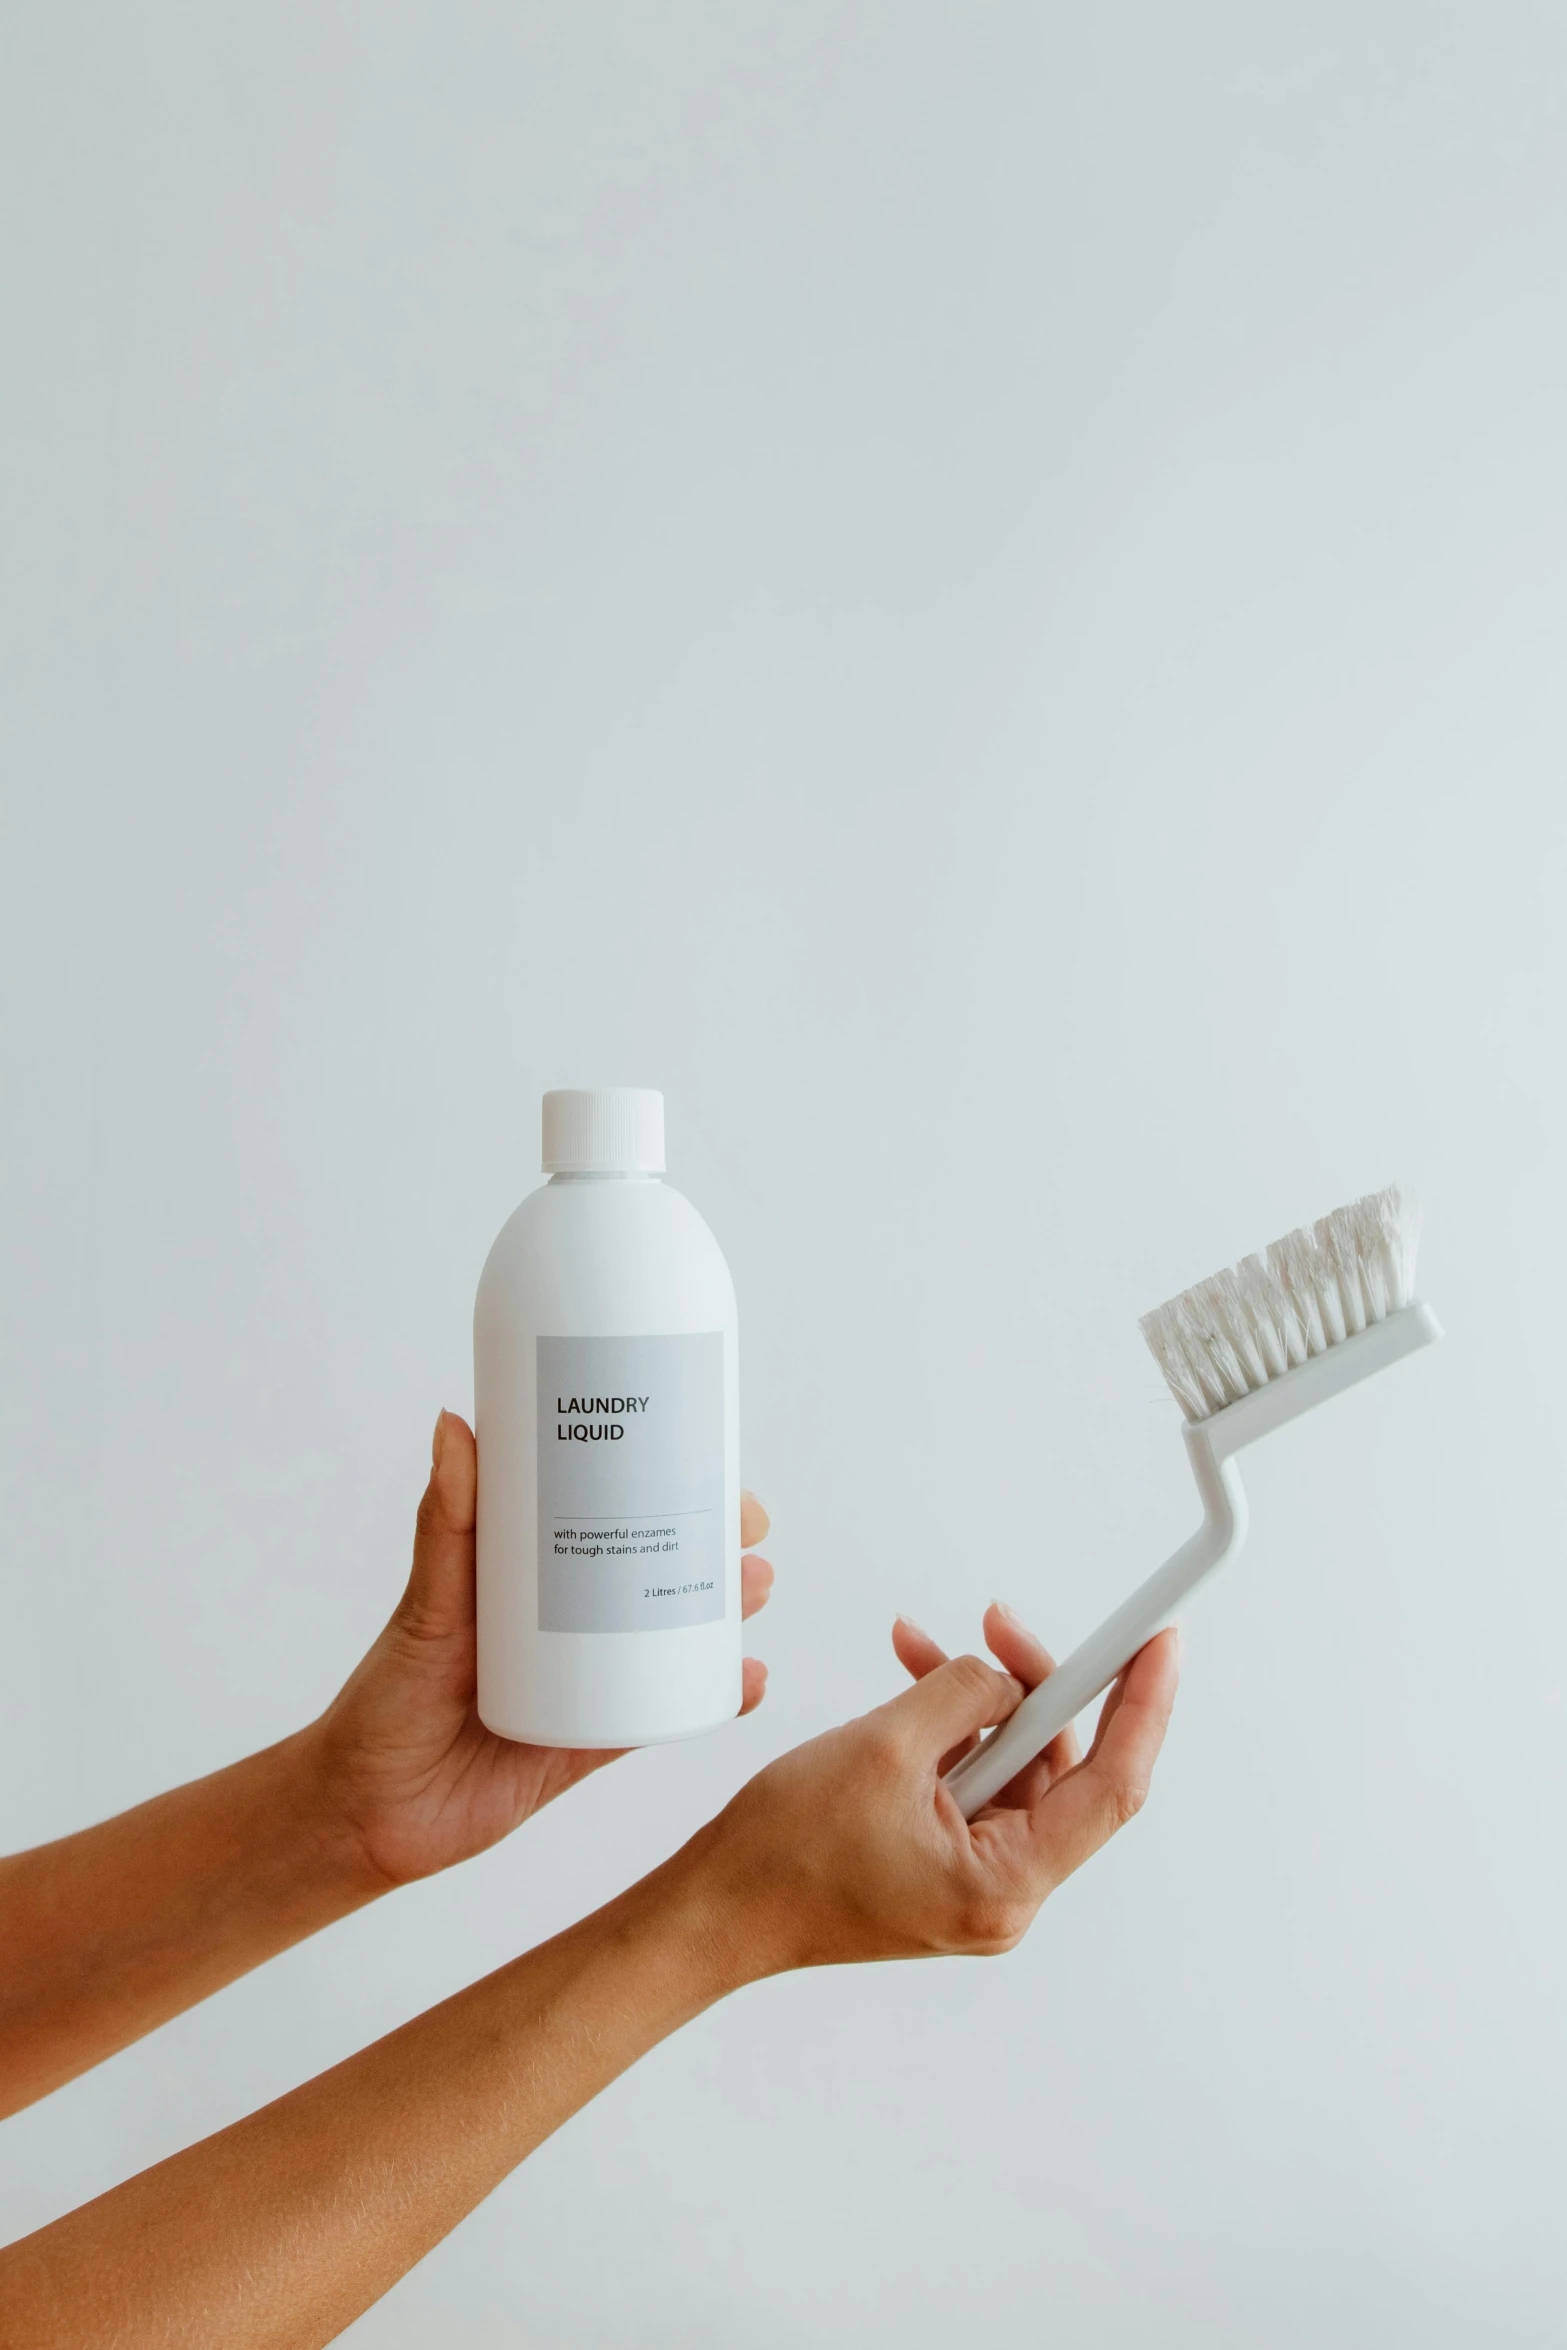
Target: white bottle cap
604	1130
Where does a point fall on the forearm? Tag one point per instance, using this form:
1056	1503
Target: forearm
108	1933
275	2234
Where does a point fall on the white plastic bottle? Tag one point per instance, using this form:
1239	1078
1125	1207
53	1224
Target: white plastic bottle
606	1390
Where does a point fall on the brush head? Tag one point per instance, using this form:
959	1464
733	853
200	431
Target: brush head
1302	1295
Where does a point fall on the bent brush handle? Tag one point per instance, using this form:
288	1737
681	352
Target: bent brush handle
1210	1447
1077	1681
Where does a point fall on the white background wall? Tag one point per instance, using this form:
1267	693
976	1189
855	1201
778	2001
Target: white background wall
977	593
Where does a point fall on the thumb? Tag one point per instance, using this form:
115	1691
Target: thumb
950	1704
439	1598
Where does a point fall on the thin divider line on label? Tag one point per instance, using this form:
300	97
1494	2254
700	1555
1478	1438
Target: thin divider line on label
615	1517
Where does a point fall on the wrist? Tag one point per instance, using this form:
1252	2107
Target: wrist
726	1910
314	1801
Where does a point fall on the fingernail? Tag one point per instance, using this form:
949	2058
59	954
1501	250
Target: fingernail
1012	1616
913	1627
438	1440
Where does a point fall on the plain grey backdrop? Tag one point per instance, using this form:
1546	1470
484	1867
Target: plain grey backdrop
977	593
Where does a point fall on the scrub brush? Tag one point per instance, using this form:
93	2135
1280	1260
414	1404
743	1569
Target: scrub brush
1243	1352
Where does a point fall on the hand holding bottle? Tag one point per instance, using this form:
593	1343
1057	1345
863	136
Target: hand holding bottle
404	1760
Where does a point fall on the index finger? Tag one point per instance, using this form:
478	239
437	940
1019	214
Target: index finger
952	1702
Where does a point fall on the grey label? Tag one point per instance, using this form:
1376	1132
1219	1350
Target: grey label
631	1482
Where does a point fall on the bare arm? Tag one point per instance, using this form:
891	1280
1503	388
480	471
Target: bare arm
275	2234
106	1934
279	2231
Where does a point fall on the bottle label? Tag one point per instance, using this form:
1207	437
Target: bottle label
631	1482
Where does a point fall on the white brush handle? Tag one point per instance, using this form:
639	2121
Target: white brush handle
1078	1680
1092	1666
1210	1447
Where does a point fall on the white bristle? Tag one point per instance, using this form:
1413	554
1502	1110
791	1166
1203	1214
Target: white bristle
1311	1290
